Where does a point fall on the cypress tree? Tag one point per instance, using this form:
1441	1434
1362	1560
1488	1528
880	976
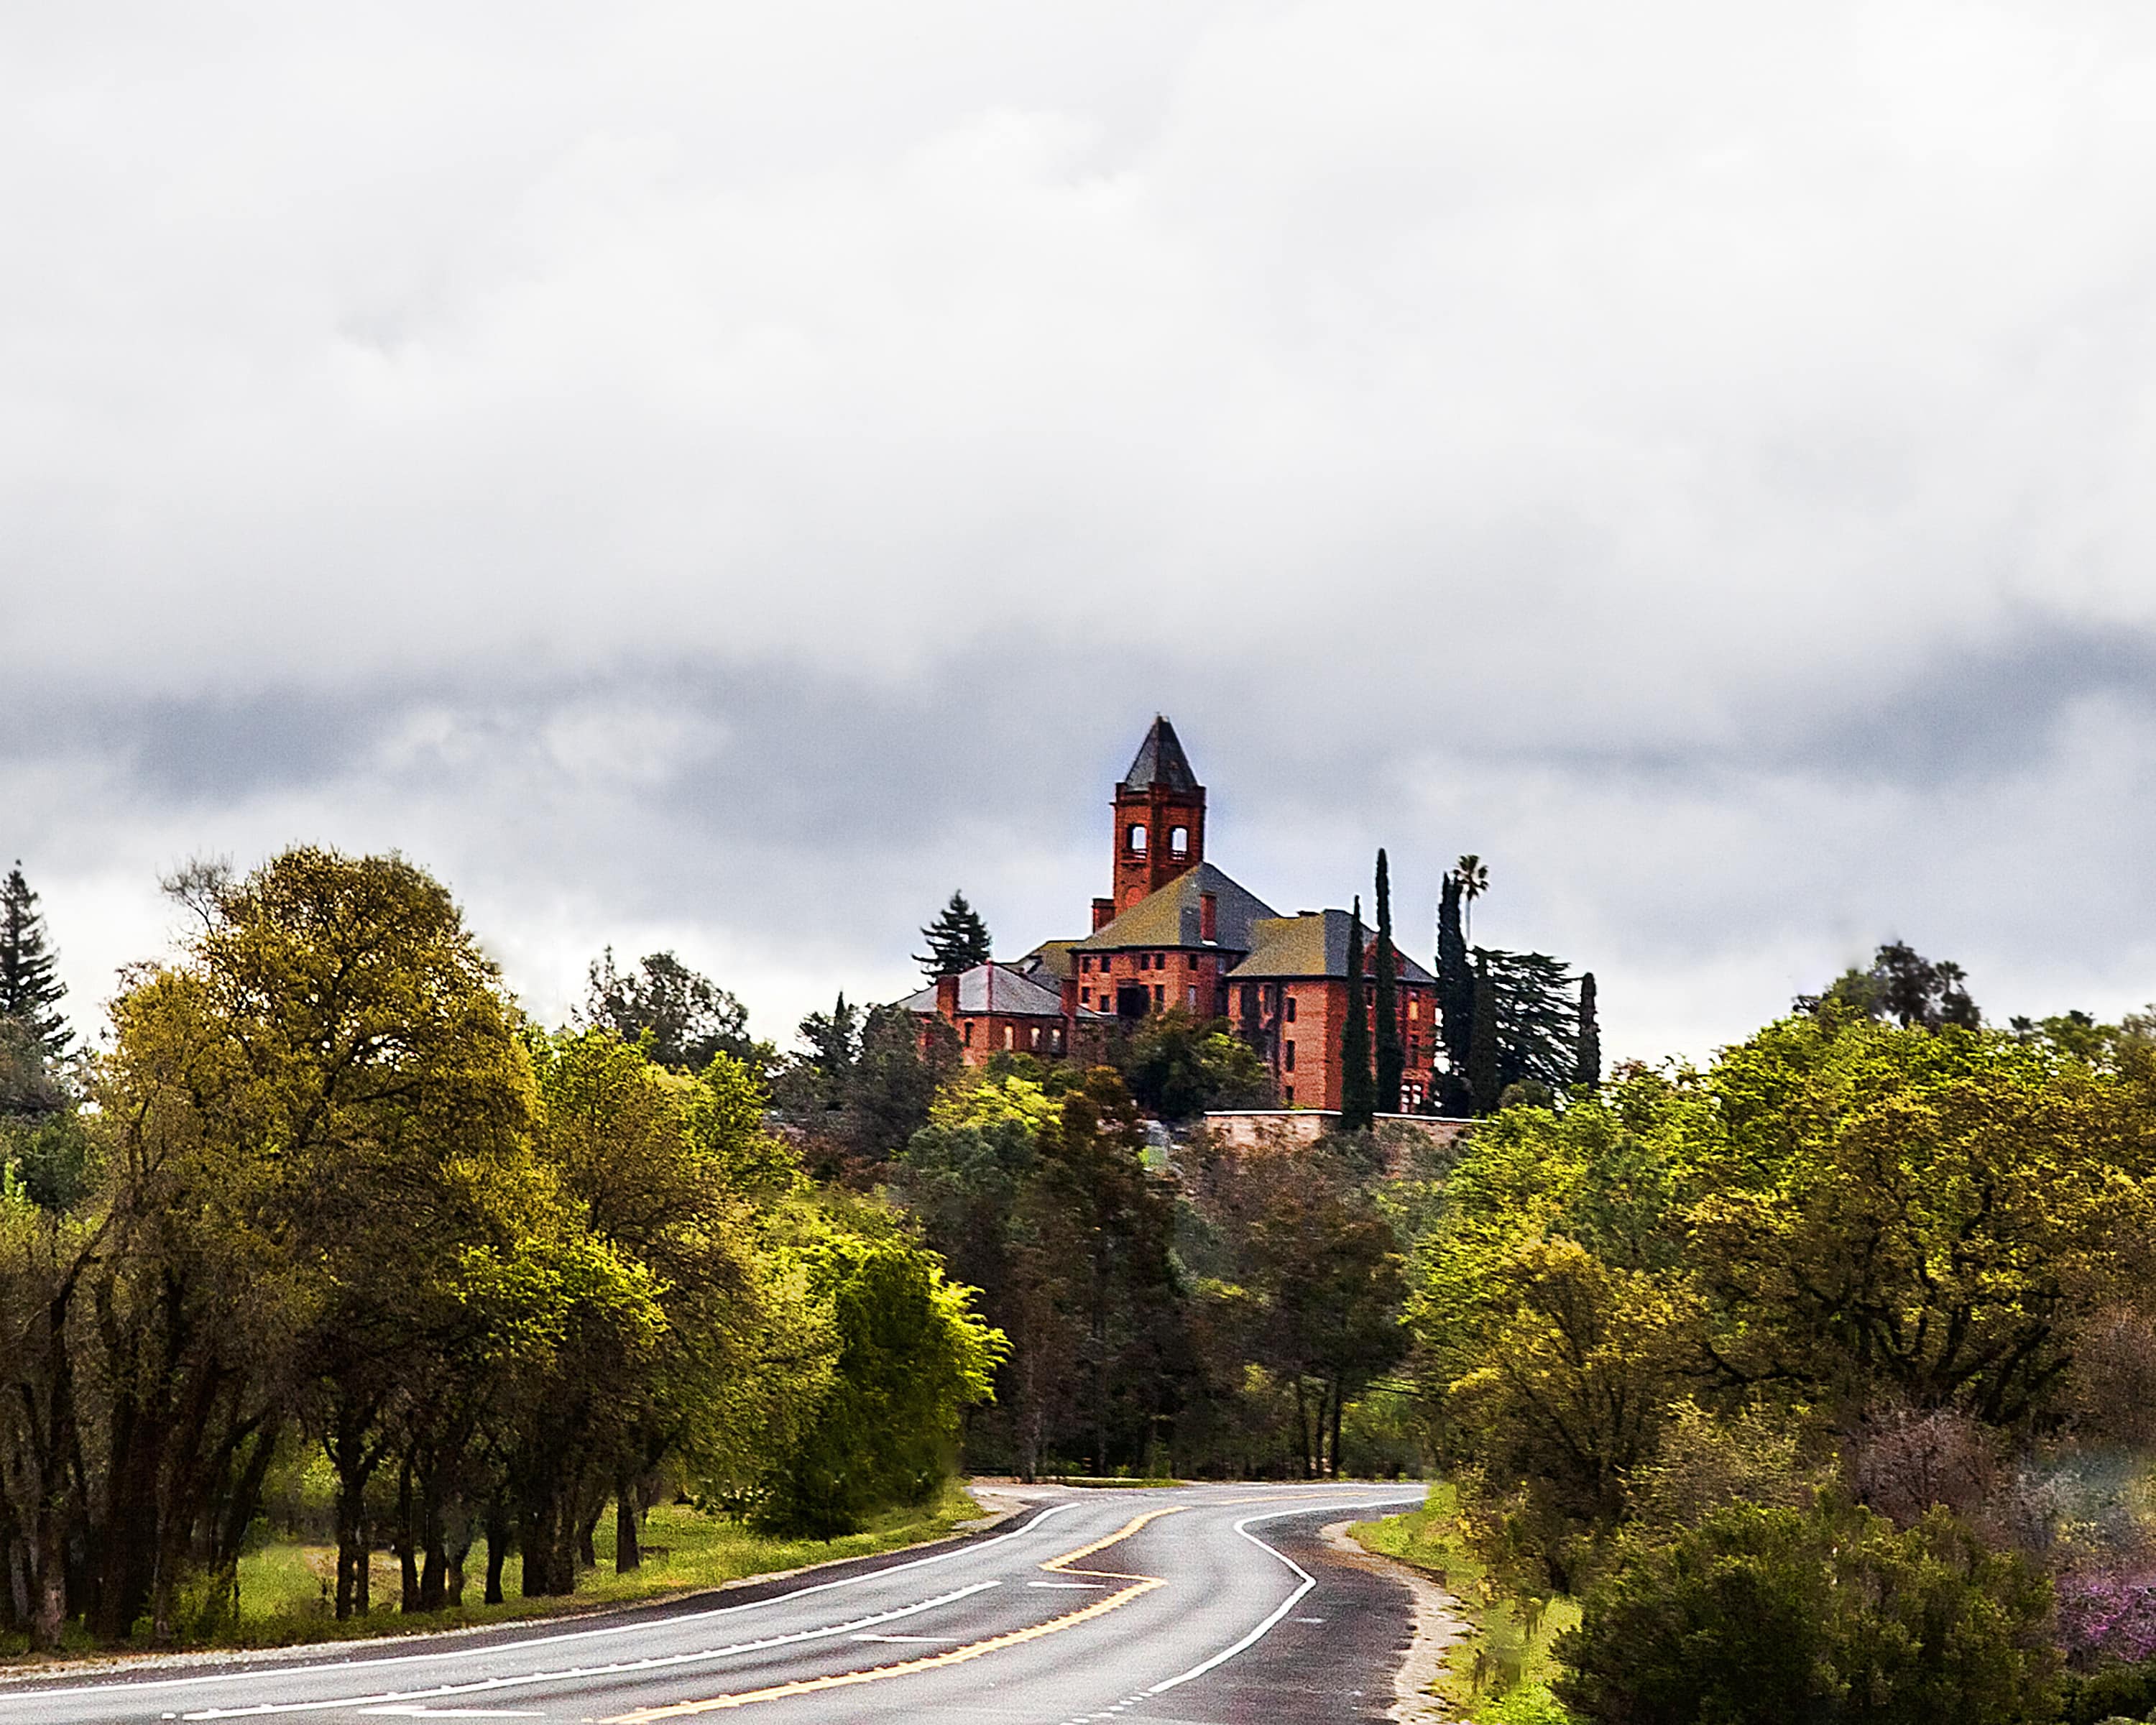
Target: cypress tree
1456	983
1357	1094
1392	1058
1589	1069
30	990
1482	1074
958	941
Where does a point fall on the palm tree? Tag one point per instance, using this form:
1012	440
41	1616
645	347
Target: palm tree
1473	879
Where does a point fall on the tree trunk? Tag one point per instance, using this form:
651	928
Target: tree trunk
1302	1426
497	1548
407	1542
1337	1399
628	1554
587	1528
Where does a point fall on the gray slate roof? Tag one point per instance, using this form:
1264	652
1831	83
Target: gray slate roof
998	988
1160	761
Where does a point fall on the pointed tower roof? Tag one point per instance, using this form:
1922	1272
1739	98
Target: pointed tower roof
1160	761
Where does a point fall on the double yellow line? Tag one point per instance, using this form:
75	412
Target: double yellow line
936	1662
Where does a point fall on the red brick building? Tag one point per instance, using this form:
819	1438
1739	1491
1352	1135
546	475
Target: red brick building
1176	931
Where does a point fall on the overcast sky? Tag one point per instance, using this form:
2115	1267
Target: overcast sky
719	476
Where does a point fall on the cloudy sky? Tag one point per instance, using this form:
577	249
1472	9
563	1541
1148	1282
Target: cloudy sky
719	476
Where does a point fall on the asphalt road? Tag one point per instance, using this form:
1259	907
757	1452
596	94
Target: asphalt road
1212	1603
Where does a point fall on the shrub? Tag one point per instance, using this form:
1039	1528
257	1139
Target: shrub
1828	1614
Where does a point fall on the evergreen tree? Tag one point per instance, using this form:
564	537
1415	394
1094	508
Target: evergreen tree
30	990
1587	1070
1357	1094
1485	1081
1456	995
1391	1056
1536	1026
958	941
689	1017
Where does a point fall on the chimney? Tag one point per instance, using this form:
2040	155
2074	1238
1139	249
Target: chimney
1104	913
1208	916
946	998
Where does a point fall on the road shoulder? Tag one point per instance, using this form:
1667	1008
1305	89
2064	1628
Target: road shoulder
1438	1625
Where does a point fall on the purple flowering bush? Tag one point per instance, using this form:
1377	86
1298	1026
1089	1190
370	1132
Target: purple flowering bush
2107	1614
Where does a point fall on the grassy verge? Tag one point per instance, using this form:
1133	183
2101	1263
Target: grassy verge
1501	1674
285	1589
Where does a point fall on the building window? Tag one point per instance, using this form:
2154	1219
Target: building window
1414	1009
1137	838
1287	1095
1291	1009
1159	995
1191	959
1009	1039
1194	997
968	1038
1178	840
1287	1056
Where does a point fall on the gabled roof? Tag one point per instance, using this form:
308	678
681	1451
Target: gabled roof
1160	762
998	988
1175	916
1049	961
1314	944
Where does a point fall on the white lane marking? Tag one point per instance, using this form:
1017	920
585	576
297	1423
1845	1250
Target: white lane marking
1286	1605
446	1713
1089	1585
937	1640
517	1646
620	1667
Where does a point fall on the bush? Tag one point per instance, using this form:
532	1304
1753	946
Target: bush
1830	1615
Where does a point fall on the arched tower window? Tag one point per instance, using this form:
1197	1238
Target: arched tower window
1178	841
1137	838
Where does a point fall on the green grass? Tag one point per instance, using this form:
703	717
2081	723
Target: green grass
1501	1674
285	1589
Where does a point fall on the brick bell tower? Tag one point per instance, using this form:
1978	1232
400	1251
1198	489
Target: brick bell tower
1160	821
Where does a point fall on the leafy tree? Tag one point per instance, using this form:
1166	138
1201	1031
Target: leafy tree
1485	1069
1391	1056
912	1356
1455	999
1096	1304
1178	1065
1473	875
834	1045
1768	1615
958	941
1358	1097
1903	986
689	1017
1319	1271
30	988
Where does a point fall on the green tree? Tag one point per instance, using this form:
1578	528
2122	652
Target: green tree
689	1017
1485	1070
1391	1055
912	1355
1178	1065
30	988
1760	1616
1536	1019
1455	999
1587	1069
1358	1096
1903	986
958	941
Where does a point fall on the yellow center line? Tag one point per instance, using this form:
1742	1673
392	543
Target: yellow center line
935	1661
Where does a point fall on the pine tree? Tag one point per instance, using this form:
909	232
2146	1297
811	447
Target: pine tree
1484	1082
30	990
958	941
1589	1069
1358	1095
1455	980
1391	1057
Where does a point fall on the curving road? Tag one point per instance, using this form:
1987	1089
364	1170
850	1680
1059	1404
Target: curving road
1206	1603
